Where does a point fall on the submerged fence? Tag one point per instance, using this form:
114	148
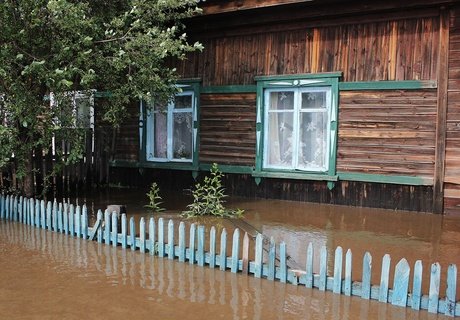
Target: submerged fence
158	238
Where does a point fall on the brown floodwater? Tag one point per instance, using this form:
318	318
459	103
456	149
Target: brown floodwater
401	234
47	275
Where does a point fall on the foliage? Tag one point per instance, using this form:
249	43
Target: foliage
208	198
154	198
50	49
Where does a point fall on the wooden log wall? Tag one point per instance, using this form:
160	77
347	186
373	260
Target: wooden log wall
387	132
228	129
452	169
126	143
390	50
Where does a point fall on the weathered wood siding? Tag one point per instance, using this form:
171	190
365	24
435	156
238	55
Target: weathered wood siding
387	132
452	171
228	128
390	50
126	144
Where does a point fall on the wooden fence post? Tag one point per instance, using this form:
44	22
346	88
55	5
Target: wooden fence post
235	250
142	235
417	285
435	279
223	250
212	247
384	278
348	272
367	270
338	270
161	238
309	266
271	259
451	290
323	269
182	241
400	283
152	236
258	263
132	231
171	239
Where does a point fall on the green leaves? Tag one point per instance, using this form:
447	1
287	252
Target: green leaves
208	198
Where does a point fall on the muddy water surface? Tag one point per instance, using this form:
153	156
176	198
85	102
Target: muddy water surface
46	275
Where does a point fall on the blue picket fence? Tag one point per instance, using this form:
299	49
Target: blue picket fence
159	238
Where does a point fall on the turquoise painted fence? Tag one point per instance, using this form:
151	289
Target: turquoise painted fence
158	238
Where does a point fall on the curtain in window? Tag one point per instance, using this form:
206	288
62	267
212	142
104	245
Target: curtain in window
281	129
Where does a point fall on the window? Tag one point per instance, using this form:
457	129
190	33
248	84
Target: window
296	125
171	129
81	106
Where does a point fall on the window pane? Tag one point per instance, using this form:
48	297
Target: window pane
183	102
314	100
313	140
280	133
161	135
83	110
182	136
282	100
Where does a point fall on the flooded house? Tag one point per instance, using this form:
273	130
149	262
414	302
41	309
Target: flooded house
343	102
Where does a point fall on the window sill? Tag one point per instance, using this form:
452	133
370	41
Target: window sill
295	175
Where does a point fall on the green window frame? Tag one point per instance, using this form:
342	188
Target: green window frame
309	149
181	113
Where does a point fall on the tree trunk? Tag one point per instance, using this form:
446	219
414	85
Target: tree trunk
28	188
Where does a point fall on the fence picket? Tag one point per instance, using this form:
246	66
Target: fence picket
182	241
271	259
245	256
72	220
323	268
132	233
49	225
152	236
192	251
2	206
54	215
60	226
283	266
37	214
212	247
107	228
309	266
451	290
43	214
200	246
223	250
124	231
435	279
20	210
114	227
65	218
235	250
161	238
348	271
84	222
367	270
258	263
338	270
417	285
171	239
78	221
401	283
15	209
142	235
384	278
99	230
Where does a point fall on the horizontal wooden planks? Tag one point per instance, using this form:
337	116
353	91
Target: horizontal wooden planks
227	128
387	132
391	50
452	169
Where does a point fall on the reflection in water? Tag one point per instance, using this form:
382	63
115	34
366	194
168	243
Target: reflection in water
54	276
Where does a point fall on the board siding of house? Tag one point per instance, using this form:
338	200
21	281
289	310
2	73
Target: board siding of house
381	132
452	172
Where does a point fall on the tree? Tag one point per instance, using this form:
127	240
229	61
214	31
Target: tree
51	48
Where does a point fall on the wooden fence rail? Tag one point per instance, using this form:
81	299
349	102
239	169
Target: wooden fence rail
158	238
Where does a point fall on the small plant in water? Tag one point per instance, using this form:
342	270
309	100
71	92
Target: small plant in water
154	198
208	198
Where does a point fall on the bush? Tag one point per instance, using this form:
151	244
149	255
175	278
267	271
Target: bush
208	198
